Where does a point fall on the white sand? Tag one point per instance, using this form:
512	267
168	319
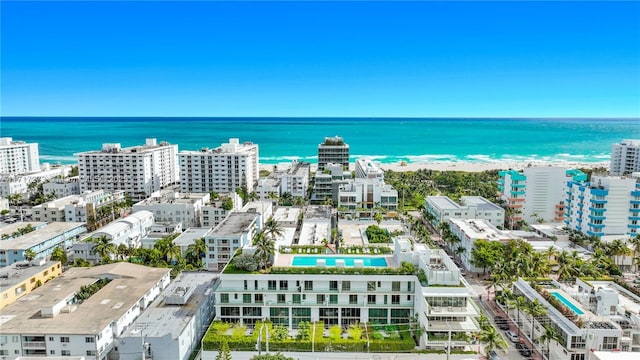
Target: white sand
467	166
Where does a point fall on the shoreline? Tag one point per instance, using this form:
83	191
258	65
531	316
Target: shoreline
465	166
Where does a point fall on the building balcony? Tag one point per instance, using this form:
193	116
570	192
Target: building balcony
592	233
634	217
34	344
635	193
597	226
594	201
597	217
635	202
591	208
599	192
469	310
516	192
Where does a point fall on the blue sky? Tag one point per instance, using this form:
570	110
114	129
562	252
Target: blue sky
481	59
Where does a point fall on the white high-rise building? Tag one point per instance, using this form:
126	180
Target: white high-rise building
138	170
18	157
223	169
608	205
625	157
537	193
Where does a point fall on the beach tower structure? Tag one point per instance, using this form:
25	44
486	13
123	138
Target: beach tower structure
625	157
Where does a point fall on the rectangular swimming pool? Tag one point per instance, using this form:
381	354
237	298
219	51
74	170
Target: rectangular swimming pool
567	303
311	260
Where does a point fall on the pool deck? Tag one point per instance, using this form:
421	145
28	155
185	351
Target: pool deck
285	260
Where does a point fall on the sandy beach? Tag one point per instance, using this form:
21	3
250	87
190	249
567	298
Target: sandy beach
466	166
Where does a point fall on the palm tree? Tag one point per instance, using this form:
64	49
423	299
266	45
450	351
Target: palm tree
619	249
29	254
551	253
520	303
121	251
173	251
550	334
492	340
273	228
59	254
378	218
265	248
535	309
103	247
196	252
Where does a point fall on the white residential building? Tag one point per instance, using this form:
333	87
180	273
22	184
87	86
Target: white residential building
128	231
170	206
468	231
333	151
218	209
367	194
18	157
625	157
55	322
328	181
234	232
366	169
62	187
583	331
317	222
537	193
137	170
223	169
174	323
471	207
19	184
608	205
189	237
295	180
268	189
342	295
76	208
262	209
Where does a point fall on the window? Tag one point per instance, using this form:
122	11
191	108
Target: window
395	286
333	299
371	286
609	342
64	339
395	299
320	299
410	286
296	298
284	285
51	352
89	339
50	339
371	299
272	284
353	299
257	298
346	285
246	298
91	353
333	285
308	285
282	298
224	298
65	352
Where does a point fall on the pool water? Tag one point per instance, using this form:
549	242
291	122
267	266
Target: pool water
567	303
311	261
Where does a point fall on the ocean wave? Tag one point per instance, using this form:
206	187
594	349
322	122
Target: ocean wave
62	159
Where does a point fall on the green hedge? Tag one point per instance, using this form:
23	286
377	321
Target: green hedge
212	341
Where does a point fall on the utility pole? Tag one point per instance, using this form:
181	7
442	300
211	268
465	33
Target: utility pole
449	342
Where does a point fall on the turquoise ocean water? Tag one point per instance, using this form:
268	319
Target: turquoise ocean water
386	140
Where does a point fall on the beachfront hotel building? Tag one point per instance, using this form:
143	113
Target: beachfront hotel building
42	241
607	205
333	151
223	169
536	194
18	157
625	157
442	208
588	316
137	170
330	288
55	322
172	326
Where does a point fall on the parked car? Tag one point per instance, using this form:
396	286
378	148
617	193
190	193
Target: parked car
502	323
523	350
493	355
513	337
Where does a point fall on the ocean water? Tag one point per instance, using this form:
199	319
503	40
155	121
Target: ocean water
386	140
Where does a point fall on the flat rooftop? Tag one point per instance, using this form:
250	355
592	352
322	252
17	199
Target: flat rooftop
14	274
312	232
130	282
43	234
480	229
190	235
8	229
480	202
286	214
317	212
171	197
443	202
160	318
234	224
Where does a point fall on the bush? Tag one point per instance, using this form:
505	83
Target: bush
377	235
245	262
238	331
279	333
377	336
335	332
355	331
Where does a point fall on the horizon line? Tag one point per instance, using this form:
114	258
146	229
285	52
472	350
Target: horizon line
329	117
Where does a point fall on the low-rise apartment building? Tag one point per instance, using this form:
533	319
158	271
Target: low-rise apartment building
295	180
234	232
442	208
77	208
171	206
172	326
62	187
57	321
468	231
21	278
